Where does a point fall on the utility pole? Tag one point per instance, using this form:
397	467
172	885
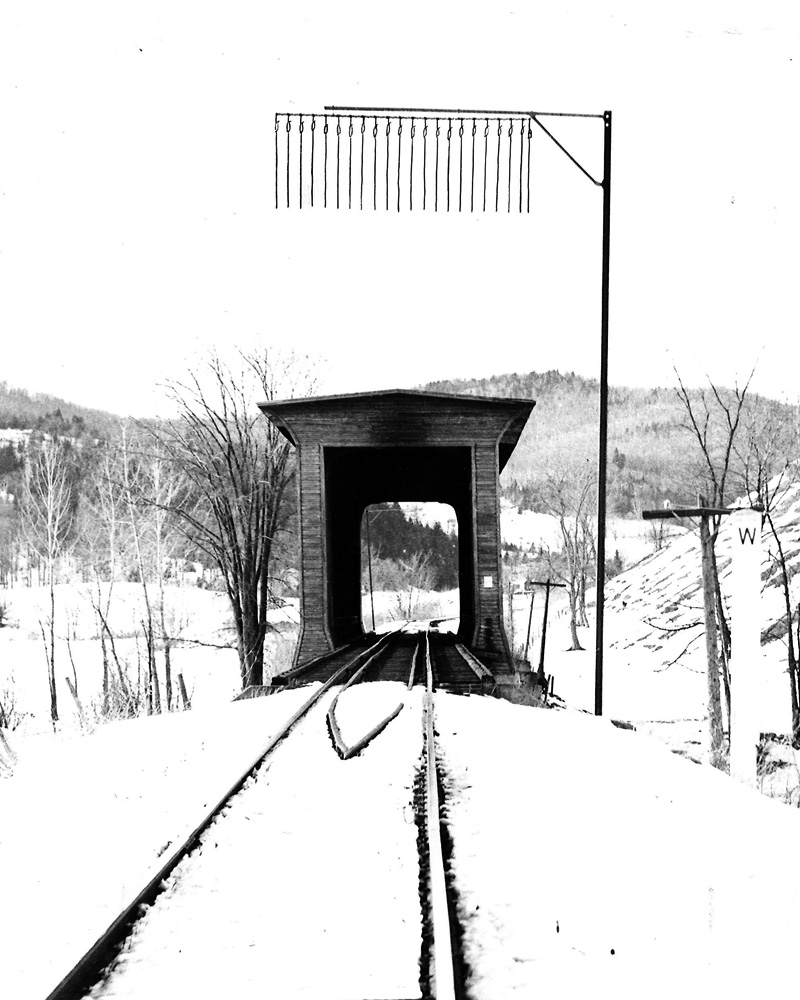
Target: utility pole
745	632
530	622
548	585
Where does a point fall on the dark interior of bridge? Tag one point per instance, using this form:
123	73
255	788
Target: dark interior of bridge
358	477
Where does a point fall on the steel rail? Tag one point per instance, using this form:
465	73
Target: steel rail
443	972
89	968
344	750
474	663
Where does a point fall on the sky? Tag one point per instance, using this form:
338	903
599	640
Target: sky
138	227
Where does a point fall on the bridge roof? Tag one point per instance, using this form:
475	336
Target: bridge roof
401	416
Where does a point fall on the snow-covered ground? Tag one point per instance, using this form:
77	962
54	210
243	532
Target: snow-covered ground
306	887
572	838
654	652
632	538
425	605
588	859
84	818
199	620
593	862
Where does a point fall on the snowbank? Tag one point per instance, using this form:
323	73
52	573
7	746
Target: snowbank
592	861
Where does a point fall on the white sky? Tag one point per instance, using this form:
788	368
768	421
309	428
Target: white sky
137	213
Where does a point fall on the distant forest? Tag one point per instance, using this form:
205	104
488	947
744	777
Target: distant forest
398	537
19	410
652	457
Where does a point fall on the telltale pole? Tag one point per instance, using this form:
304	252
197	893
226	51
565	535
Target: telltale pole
602	462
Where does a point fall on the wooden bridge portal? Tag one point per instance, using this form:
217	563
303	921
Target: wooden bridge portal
361	449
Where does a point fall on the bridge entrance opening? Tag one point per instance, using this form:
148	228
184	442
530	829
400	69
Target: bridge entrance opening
410	565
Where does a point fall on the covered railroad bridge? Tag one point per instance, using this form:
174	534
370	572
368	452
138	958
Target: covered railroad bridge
399	445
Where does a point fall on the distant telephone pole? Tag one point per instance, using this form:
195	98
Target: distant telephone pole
548	585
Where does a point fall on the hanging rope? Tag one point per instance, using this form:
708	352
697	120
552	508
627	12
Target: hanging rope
399	147
449	134
375	165
411	169
313	130
510	144
472	178
497	174
521	149
361	192
350	165
288	148
530	136
460	160
388	129
300	130
485	160
425	165
338	156
436	193
325	174
277	129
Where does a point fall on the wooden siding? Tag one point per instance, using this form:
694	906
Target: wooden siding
314	634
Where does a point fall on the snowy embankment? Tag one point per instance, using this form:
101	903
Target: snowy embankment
657	608
593	862
654	649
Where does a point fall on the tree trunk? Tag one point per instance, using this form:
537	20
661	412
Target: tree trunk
724	630
252	664
52	654
573	619
712	648
104	650
796	682
792	667
168	673
584	618
166	642
184	696
153	688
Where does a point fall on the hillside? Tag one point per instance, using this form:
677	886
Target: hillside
21	410
652	457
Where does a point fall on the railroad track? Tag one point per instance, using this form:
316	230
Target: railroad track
209	920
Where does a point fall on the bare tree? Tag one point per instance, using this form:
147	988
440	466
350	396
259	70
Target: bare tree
47	514
715	420
136	484
568	498
237	468
103	543
416	575
770	468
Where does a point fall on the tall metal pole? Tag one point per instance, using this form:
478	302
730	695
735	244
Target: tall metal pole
603	444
